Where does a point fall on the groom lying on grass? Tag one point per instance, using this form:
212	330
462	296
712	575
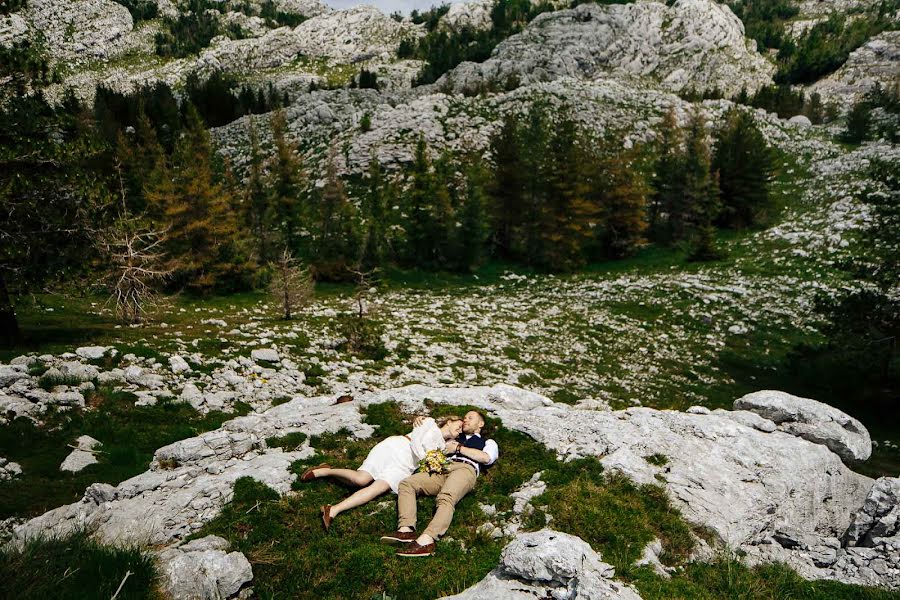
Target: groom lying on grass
469	455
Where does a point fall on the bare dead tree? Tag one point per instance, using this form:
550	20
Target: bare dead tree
365	281
137	262
138	268
292	286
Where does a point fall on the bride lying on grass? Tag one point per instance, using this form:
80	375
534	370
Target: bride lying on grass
391	461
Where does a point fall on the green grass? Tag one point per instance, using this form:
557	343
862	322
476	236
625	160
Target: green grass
614	515
130	434
727	578
75	567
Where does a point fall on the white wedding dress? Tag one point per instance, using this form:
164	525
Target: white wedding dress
396	458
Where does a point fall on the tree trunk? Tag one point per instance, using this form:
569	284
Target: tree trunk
9	325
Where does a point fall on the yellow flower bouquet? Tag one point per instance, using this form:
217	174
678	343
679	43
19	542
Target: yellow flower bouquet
434	463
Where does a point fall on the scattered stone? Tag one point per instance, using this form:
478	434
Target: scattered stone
265	354
82	456
9	469
91	352
178	364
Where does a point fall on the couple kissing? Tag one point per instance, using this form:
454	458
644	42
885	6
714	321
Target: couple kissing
437	458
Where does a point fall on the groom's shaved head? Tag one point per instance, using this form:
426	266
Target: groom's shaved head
473	422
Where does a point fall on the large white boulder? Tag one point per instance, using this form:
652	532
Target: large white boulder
203	569
549	564
812	420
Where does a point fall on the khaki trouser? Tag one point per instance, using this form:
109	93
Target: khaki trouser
449	489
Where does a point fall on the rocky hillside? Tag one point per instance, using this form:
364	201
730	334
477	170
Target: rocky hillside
753	477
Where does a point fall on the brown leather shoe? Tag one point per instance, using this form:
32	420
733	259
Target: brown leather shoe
415	549
326	516
309	474
400	537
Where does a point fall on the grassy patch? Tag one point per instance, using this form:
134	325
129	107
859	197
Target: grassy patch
75	567
48	382
726	577
289	442
614	515
130	434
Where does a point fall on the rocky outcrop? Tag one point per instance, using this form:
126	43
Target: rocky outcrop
811	420
472	15
80	28
694	44
879	516
203	569
876	61
771	494
549	564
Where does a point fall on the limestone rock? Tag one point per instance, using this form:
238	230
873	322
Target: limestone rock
203	569
178	364
82	456
9	469
265	354
80	28
694	44
91	352
876	61
549	564
811	420
879	516
474	15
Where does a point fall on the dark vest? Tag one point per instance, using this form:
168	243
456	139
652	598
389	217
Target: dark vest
475	441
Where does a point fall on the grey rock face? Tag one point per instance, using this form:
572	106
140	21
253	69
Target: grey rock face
695	44
264	354
811	420
80	28
203	569
876	61
549	564
879	516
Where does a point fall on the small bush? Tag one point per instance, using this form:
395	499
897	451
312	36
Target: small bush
289	441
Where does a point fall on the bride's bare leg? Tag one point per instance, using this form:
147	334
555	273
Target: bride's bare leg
357	478
361	496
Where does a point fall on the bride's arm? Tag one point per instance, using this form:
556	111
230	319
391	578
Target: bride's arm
426	437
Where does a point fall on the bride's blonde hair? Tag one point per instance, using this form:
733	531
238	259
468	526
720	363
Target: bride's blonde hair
444	420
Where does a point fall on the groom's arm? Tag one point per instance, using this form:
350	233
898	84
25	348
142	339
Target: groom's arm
474	454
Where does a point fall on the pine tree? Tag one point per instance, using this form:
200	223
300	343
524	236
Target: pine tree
375	247
526	243
744	162
624	202
859	119
569	213
419	246
198	210
336	235
138	152
701	190
506	189
474	230
667	214
257	208
286	182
